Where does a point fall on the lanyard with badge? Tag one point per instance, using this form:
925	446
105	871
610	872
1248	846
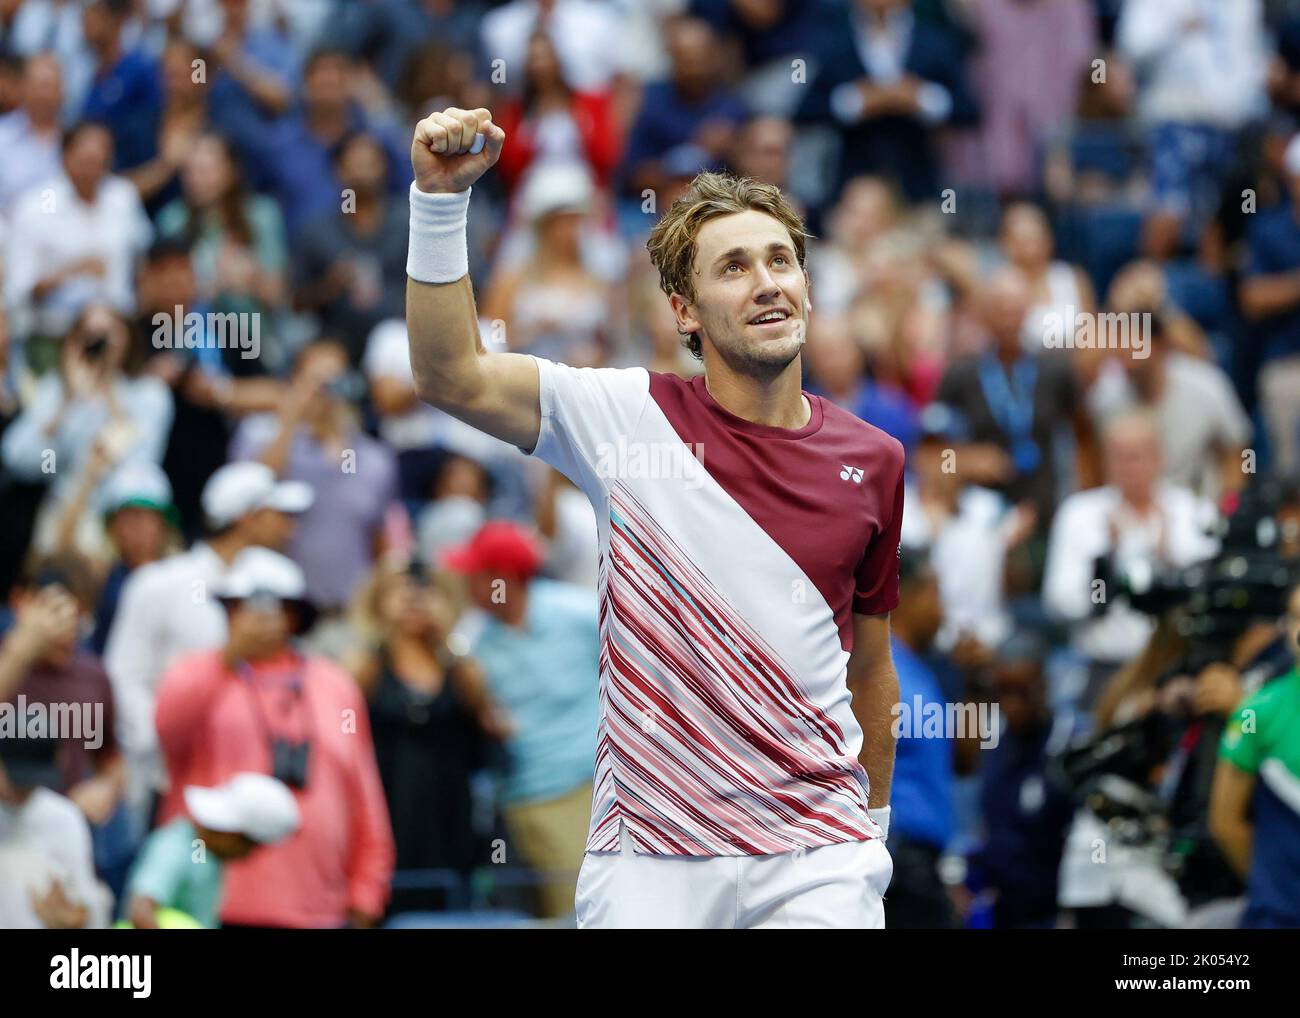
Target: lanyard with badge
1011	402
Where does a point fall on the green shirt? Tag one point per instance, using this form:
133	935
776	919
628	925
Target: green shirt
176	871
1262	738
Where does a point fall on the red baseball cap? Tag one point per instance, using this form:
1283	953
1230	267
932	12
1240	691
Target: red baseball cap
499	547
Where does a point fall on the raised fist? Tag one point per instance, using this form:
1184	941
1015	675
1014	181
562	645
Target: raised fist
440	151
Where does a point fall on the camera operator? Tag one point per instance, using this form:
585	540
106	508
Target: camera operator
1135	520
1255	799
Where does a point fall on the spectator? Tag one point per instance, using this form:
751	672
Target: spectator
922	787
432	721
213	381
554	305
1032	57
422	436
887	79
967	531
87	409
257	704
1014	402
1201	68
44	665
47	872
838	368
1203	428
126	93
352	262
552	123
762	150
75	240
182	119
1134	521
138	520
1024	812
1253	809
867	210
257	68
30	135
316	439
692	109
293	156
538	646
567	522
1270	299
231	822
236	239
460	494
1059	292
587	35
392	33
167	608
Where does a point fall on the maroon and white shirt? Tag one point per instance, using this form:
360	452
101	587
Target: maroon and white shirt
733	556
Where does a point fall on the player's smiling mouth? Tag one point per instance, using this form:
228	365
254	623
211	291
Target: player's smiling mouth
771	318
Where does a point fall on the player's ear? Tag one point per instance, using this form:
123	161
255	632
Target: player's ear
687	323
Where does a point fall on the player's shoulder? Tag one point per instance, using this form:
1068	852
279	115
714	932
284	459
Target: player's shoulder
565	377
863	435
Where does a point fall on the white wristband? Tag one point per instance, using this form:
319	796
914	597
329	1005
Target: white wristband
881	817
438	251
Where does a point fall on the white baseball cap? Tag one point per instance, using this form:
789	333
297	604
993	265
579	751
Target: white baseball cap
238	489
257	806
137	483
258	570
553	187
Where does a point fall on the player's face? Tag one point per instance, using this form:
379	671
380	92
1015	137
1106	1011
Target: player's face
750	293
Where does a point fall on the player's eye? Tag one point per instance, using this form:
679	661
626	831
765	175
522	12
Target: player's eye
780	260
732	265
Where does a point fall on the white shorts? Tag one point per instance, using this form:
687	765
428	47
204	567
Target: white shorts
832	887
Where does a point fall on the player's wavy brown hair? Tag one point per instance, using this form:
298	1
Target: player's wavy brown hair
672	241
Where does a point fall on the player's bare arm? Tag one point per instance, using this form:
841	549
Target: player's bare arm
494	392
874	685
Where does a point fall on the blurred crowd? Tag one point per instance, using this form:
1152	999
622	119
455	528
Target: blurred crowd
228	524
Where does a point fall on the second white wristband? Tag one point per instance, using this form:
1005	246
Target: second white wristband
438	251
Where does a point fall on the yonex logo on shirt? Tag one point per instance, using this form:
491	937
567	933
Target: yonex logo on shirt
853	474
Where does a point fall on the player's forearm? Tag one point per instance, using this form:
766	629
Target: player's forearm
875	694
442	323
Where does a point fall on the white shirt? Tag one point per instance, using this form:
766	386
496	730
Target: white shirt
1081	533
30	159
1198	413
589	39
166	609
883	51
968	555
44	840
52	227
1211	74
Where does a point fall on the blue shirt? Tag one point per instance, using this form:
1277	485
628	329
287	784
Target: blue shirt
545	674
1273	246
666	121
920	799
889	410
128	100
299	168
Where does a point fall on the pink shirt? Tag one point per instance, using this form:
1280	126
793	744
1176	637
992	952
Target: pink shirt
210	729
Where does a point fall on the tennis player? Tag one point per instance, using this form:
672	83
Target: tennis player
745	751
